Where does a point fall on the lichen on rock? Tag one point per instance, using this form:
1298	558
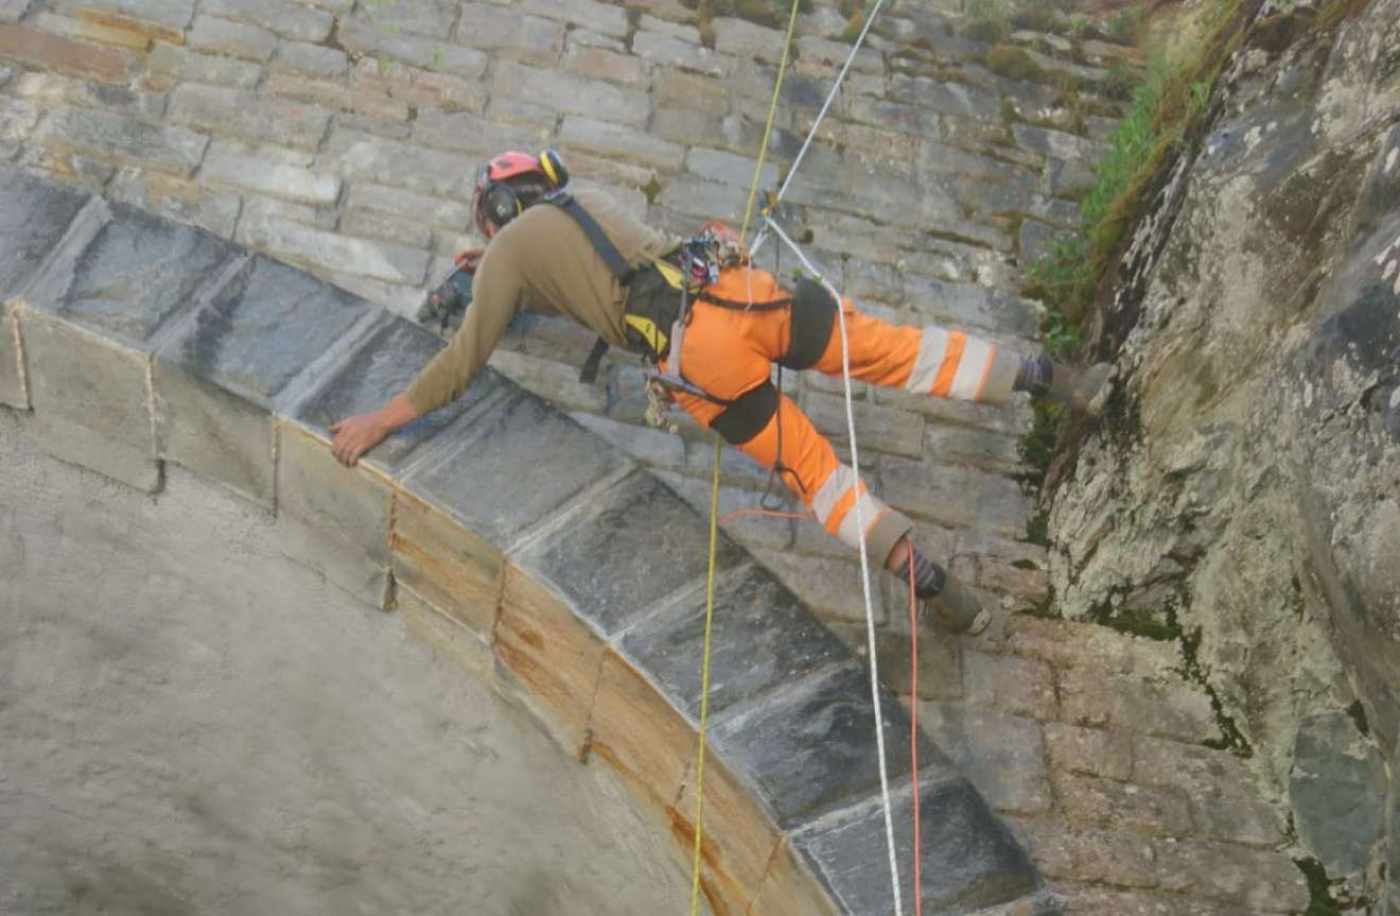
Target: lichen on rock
1246	491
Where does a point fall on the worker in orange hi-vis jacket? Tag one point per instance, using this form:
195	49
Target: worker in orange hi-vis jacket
578	253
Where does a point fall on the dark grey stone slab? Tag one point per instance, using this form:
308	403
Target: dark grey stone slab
125	272
763	637
262	328
382	366
33	217
1337	788
811	749
650	541
520	462
969	858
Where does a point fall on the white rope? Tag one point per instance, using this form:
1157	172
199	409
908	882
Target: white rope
821	116
864	565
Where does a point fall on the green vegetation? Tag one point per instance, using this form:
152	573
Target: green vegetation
988	20
1165	107
1320	902
764	12
1125	25
993	21
1012	63
855	12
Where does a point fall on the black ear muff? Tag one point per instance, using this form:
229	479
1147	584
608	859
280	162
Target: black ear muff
553	167
501	204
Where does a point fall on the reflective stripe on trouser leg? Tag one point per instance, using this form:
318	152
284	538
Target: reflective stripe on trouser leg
816	476
951	364
835	506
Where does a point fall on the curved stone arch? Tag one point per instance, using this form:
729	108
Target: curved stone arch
487	524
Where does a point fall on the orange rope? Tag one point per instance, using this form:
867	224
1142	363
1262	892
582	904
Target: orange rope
914	729
741	513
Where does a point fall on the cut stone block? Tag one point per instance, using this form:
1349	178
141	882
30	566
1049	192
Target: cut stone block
808	749
519	438
450	567
13	392
90	400
345	510
125	273
639	733
554	655
444	635
970	859
342	565
33	217
261	326
762	638
214	432
1004	756
382	366
739	838
650	542
789	889
90	318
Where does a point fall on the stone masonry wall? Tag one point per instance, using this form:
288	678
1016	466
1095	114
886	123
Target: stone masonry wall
342	136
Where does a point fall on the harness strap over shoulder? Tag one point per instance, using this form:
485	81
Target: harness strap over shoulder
601	243
611	257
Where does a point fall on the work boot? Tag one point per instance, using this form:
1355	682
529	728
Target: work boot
944	602
1081	390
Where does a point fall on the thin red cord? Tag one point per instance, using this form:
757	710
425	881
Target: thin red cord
914	732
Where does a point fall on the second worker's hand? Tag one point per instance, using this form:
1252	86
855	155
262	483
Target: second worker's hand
356	435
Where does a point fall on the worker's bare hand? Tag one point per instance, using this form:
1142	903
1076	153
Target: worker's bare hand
356	435
469	260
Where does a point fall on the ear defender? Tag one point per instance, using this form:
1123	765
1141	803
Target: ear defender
502	204
553	167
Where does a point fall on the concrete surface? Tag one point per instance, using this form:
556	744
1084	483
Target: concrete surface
195	724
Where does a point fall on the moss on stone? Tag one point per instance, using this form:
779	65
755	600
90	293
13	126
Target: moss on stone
773	13
1013	63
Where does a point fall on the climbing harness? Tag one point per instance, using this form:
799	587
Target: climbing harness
658	310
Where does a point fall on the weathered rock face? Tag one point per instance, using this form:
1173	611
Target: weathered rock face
1245	486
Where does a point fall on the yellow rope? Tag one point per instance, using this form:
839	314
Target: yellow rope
772	112
705	683
714	498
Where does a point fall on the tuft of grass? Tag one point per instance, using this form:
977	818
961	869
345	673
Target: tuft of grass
1125	26
1012	63
1165	106
855	13
988	20
1036	17
773	13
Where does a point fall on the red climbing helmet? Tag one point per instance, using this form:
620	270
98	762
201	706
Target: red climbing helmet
511	181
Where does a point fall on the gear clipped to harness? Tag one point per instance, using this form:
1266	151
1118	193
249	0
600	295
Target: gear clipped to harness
659	295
